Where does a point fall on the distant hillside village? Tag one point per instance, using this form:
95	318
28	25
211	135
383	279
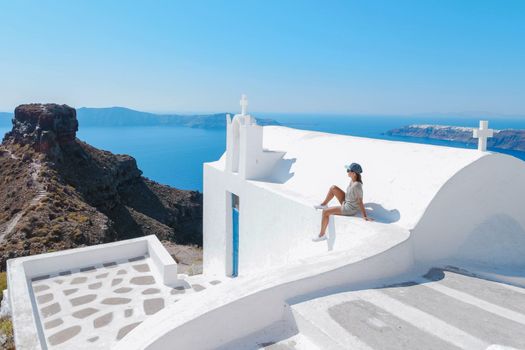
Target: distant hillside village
503	139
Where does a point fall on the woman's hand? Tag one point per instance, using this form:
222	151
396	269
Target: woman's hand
363	210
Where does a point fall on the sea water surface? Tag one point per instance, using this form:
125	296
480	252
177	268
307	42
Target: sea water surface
169	155
174	155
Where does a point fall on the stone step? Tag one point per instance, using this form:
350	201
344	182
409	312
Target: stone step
314	323
469	304
444	310
352	323
492	297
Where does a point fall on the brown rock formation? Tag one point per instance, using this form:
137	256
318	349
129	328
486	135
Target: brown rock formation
44	126
57	192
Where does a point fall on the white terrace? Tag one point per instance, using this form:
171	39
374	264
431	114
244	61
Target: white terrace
92	297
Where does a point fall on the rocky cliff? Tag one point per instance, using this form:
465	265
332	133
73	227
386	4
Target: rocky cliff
504	139
57	192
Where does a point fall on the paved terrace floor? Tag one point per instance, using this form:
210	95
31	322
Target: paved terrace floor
96	306
446	309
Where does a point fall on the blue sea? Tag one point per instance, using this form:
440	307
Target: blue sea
174	155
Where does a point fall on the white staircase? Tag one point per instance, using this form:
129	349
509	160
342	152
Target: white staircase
316	324
444	310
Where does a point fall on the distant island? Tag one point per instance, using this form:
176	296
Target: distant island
120	116
504	139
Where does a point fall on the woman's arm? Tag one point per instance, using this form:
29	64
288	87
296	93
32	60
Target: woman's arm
363	211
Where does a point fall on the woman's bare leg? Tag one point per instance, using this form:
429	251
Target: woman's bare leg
326	218
334	191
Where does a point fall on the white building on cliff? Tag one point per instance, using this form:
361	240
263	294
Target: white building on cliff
371	285
441	203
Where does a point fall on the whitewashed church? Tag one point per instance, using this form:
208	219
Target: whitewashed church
449	230
259	198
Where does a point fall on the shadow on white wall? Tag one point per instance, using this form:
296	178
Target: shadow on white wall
381	214
281	173
497	241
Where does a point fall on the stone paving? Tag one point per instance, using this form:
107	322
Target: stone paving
96	306
445	309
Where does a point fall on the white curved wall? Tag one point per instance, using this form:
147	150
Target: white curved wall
234	311
477	217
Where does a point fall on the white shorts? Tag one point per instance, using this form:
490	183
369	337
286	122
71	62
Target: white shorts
347	210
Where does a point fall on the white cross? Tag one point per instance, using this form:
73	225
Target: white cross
244	104
482	134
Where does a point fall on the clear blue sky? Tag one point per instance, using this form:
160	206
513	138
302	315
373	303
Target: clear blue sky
374	57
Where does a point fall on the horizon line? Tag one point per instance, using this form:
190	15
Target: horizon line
465	114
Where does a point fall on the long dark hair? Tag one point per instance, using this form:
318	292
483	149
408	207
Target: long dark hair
358	178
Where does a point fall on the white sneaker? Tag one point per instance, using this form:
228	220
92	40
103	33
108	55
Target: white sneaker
320	206
319	238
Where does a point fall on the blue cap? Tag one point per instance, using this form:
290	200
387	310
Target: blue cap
356	168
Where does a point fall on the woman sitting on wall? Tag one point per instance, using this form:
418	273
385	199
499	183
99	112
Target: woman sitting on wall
351	201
